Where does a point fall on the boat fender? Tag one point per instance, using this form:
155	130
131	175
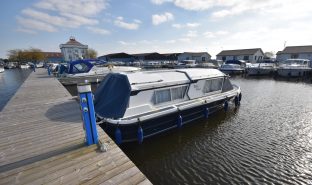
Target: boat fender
118	137
226	105
140	134
240	97
236	101
179	121
206	112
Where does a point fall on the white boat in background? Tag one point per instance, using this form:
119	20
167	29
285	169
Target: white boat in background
147	103
232	69
1	69
294	68
24	66
209	65
186	64
82	70
265	67
39	65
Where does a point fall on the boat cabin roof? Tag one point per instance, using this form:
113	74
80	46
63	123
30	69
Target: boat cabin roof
153	79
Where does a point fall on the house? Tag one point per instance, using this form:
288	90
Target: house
73	50
293	52
117	57
249	55
197	56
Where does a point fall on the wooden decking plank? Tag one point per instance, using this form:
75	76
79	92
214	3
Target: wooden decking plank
122	177
76	171
137	178
41	139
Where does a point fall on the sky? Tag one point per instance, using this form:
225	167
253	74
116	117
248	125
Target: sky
164	26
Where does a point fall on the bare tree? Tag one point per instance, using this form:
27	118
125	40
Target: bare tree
91	53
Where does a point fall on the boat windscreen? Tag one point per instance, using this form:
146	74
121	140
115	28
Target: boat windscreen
227	85
112	96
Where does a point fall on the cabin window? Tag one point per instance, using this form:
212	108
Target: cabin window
213	85
223	58
171	94
203	59
246	57
80	68
162	96
178	92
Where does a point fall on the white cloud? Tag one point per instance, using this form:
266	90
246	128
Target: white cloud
124	43
66	20
79	7
158	2
62	14
185	39
209	34
191	34
170	41
187	25
98	30
26	31
31	24
129	26
161	18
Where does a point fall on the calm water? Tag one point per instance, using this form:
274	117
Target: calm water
10	81
267	140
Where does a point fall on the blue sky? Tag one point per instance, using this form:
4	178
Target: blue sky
137	26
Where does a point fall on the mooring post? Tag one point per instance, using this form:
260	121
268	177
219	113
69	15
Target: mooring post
88	113
49	71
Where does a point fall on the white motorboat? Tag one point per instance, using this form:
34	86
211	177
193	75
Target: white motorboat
232	69
147	103
24	66
1	69
82	70
186	64
294	68
265	67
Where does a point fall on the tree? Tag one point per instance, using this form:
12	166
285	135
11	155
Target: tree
23	56
91	53
269	54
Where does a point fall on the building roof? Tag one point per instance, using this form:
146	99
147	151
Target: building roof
72	41
196	53
119	55
296	49
239	52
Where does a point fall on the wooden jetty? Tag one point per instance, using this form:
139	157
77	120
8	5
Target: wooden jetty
42	141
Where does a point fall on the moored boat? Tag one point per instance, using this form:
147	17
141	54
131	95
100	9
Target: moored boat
265	67
294	68
134	106
81	70
1	69
232	69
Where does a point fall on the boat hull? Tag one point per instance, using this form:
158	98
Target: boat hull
284	72
233	72
154	126
259	71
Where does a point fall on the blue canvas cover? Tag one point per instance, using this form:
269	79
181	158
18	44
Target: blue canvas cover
112	96
85	63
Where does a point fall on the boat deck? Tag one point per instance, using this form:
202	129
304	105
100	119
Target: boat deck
42	141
